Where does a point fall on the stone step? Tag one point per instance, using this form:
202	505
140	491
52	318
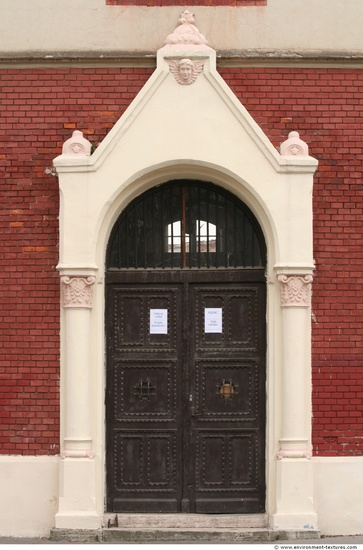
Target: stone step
195	534
187	535
188	521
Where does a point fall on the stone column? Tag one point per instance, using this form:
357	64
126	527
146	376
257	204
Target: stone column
295	304
294	499
77	469
77	304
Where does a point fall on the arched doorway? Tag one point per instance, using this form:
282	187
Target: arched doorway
188	142
185	316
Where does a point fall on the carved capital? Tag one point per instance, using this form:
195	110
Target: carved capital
77	291
295	290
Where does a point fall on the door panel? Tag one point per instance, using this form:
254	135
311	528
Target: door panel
131	319
240	317
143	404
185	394
227	375
233	379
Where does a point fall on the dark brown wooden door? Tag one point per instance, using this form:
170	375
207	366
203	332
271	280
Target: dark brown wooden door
144	444
185	396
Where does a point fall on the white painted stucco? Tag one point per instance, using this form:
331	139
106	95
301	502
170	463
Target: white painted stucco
50	27
28	495
338	494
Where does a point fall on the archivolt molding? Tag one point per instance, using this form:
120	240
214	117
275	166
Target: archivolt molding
77	291
295	290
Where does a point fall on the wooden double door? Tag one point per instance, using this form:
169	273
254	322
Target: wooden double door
185	397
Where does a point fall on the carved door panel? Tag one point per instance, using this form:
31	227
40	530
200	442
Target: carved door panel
186	394
144	441
226	359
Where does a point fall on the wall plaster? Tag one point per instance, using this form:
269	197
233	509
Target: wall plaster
298	29
30	491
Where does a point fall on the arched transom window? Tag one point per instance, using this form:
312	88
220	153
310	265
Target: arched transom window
186	224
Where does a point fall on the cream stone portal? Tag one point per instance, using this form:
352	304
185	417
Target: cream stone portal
200	131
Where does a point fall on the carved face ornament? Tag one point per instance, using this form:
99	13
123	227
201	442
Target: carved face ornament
186	71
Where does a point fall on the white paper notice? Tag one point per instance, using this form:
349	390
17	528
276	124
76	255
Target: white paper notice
158	321
213	319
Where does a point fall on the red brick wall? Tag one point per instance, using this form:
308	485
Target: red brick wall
326	107
39	110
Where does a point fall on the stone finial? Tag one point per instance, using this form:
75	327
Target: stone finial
294	146
77	145
186	35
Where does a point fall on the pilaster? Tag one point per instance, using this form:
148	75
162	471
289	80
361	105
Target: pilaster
294	481
77	500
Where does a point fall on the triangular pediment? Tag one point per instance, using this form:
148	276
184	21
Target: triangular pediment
187	111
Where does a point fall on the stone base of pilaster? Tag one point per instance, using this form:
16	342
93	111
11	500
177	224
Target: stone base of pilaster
294	498
77	495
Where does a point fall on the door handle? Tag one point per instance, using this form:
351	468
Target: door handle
194	414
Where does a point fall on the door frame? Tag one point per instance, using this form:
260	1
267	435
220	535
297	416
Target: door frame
88	451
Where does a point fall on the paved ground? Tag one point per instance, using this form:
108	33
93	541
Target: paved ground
347	541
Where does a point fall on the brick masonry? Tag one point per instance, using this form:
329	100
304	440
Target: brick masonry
39	110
